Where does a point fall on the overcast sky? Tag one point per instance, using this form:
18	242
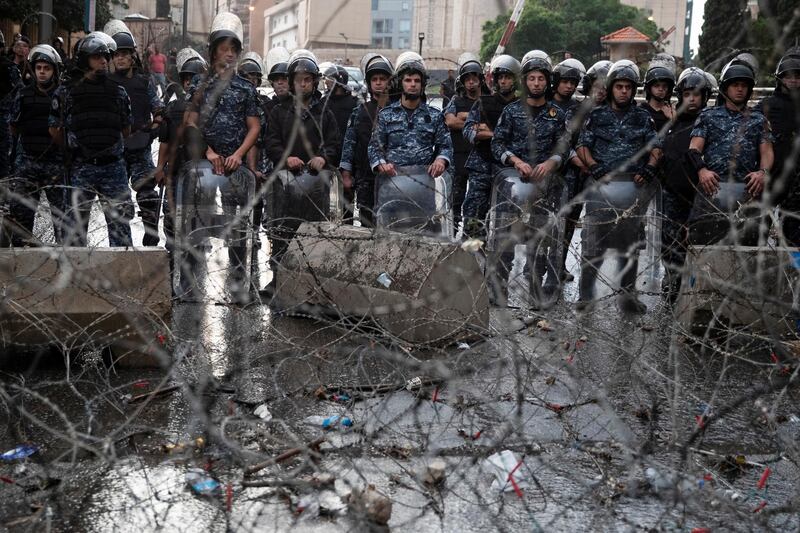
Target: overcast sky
697	23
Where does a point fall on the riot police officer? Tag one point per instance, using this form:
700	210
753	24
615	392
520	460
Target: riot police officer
10	80
593	88
567	75
92	120
659	83
731	143
147	109
39	165
342	103
479	130
781	110
612	137
409	132
470	85
301	133
693	91
354	166
530	137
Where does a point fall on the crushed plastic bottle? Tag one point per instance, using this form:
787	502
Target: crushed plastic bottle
330	422
201	483
20	452
506	470
385	279
262	412
414	383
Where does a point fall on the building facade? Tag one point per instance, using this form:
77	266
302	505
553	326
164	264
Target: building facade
666	14
318	24
455	24
392	22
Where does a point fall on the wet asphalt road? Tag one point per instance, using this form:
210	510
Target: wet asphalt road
588	401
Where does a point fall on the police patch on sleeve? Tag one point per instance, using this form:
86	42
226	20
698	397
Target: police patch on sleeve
54	104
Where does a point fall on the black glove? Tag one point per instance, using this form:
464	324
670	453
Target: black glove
648	172
596	172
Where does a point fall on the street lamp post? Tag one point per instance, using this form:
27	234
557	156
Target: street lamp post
421	37
345	46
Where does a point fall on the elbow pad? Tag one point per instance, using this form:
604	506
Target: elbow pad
695	158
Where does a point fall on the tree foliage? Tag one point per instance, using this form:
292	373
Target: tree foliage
728	27
572	25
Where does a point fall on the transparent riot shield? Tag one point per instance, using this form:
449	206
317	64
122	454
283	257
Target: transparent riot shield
616	209
729	214
523	212
414	202
214	213
305	196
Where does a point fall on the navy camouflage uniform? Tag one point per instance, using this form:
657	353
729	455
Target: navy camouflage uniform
96	173
405	140
534	135
354	157
615	138
480	163
39	165
732	150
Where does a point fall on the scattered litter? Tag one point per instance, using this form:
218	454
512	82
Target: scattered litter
201	483
472	245
463	346
435	471
762	482
331	504
20	452
374	505
308	505
474	436
154	394
385	280
322	479
544	325
643	413
180	447
262	412
288	454
505	468
141	384
340	398
550	380
661	482
414	383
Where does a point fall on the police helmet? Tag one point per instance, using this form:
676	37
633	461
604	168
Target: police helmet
569	69
410	62
251	65
468	63
106	38
790	61
661	69
748	59
372	64
46	53
596	72
302	61
537	60
624	69
337	73
277	62
91	45
225	26
125	41
188	55
504	64
736	70
693	79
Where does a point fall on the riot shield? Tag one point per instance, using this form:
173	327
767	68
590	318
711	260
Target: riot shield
728	213
616	209
524	212
213	211
414	202
305	196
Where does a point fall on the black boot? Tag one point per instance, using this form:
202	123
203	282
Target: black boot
627	300
590	266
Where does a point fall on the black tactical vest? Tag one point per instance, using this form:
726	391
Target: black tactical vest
136	87
5	77
460	144
96	116
32	124
365	123
491	109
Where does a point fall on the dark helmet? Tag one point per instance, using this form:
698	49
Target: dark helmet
569	69
373	64
225	26
91	46
46	53
662	68
277	61
504	64
468	63
411	62
106	38
790	61
737	70
693	79
537	60
188	61
596	72
338	74
302	61
624	69
250	65
125	41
